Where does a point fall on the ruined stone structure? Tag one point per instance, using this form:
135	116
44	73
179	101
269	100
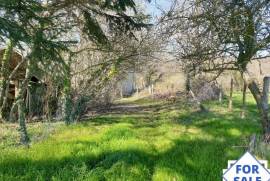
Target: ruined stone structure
18	77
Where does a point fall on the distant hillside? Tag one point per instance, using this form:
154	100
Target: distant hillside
173	79
260	69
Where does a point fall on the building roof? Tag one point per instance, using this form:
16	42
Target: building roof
15	59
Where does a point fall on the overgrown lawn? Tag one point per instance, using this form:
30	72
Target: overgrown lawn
150	141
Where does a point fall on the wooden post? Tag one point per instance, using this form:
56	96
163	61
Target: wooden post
265	107
265	94
188	84
231	94
252	144
243	112
121	91
16	83
220	96
172	87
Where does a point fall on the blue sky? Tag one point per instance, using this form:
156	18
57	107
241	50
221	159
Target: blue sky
154	7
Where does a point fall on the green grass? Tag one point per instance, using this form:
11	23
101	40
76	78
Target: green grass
157	141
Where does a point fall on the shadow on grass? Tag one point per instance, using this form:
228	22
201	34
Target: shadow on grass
131	108
138	115
189	160
226	125
138	121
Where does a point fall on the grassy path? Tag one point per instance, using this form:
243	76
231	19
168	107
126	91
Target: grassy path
142	141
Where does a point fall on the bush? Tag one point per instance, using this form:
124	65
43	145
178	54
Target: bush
79	107
205	90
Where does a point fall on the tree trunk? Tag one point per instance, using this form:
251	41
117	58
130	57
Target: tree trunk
24	138
244	106
188	83
231	94
262	104
5	74
67	101
67	109
20	103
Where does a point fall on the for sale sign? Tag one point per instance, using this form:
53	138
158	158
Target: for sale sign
247	168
